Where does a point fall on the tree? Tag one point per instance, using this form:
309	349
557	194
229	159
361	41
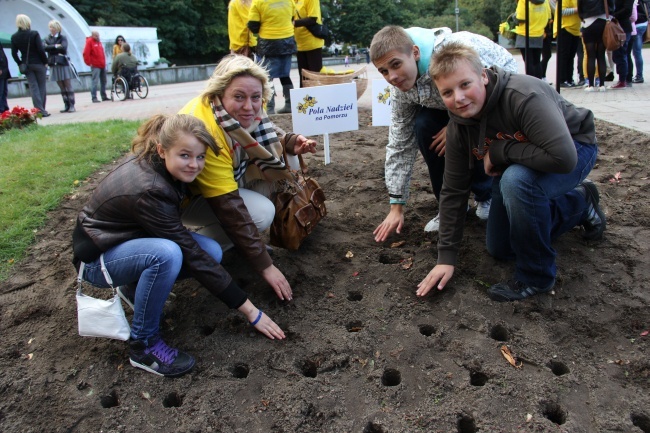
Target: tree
351	21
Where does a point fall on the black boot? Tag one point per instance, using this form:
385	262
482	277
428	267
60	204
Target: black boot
270	106
66	102
287	99
71	102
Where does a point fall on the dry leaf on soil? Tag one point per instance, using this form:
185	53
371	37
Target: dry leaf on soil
510	357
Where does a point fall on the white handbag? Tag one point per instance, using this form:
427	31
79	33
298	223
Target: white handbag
99	317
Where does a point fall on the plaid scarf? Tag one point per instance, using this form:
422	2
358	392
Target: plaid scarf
256	151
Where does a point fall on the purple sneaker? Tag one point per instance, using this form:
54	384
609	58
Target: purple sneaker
158	358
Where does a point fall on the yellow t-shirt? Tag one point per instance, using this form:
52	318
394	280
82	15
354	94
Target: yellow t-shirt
275	17
217	177
571	23
304	39
238	32
539	16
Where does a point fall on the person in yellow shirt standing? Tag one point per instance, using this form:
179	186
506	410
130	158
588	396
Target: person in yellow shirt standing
242	40
568	40
539	15
272	21
310	47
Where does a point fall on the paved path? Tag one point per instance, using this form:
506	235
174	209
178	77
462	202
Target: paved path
629	107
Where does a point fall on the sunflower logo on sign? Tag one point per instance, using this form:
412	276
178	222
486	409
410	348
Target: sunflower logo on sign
383	97
307	101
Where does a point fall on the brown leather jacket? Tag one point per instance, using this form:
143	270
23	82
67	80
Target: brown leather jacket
141	199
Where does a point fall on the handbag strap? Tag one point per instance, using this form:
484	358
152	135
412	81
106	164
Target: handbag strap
107	276
606	9
29	43
303	167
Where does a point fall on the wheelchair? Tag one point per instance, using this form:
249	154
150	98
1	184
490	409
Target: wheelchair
127	82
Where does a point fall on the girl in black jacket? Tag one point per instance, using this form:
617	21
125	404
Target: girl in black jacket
133	222
56	46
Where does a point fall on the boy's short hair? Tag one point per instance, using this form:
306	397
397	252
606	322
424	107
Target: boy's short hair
388	39
446	58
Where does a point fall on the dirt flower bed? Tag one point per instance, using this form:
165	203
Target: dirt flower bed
363	354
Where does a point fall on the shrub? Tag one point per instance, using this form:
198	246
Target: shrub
18	117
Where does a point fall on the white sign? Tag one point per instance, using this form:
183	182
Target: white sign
325	109
380	102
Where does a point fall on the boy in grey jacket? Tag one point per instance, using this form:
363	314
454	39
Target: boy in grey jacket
418	115
538	147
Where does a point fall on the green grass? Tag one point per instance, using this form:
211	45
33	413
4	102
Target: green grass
38	168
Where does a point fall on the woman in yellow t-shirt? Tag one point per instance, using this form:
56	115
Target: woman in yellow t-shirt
234	206
310	48
272	20
242	40
539	14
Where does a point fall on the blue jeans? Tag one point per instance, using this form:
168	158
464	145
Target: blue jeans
98	79
637	45
620	58
155	264
530	209
428	122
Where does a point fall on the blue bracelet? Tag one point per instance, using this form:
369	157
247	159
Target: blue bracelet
259	316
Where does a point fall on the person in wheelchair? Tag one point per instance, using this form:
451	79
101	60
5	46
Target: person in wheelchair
125	64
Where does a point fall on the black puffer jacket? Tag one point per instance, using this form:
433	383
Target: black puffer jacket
138	200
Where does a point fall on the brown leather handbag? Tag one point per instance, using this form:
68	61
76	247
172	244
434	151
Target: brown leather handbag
613	36
298	209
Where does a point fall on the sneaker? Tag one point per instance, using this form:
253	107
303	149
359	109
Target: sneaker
127	295
595	222
96	100
483	209
602	89
433	225
637	80
515	290
618	86
590	89
581	83
567	85
105	98
158	358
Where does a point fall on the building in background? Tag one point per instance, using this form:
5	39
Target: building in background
143	40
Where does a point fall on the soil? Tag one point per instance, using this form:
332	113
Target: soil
363	353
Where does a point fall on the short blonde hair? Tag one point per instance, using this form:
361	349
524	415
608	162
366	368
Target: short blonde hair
166	129
231	67
445	60
54	24
23	22
388	39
